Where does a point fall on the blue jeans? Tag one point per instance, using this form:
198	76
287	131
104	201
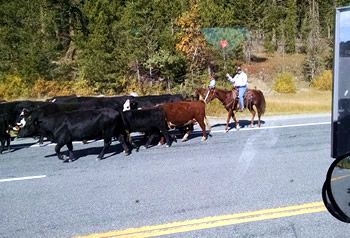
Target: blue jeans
241	91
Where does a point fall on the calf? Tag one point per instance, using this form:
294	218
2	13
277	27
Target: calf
186	113
65	127
152	121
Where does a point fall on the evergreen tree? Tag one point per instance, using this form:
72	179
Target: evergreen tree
290	26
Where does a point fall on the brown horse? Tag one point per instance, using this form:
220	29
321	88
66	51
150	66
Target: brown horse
229	98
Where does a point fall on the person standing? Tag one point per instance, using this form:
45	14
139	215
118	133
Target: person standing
240	81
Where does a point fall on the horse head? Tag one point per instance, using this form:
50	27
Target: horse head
205	94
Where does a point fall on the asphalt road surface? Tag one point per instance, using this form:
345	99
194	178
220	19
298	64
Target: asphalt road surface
249	183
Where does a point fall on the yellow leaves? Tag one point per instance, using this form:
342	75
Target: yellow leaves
191	40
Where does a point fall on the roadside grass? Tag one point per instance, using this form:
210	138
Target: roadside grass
306	100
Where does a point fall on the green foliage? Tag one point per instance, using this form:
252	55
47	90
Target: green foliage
285	83
323	81
291	26
14	86
110	44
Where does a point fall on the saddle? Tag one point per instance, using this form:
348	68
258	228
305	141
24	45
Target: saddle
235	90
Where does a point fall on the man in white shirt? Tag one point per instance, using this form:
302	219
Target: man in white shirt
240	81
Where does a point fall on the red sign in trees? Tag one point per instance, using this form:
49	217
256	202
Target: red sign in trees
223	43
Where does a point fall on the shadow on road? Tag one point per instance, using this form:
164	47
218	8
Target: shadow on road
114	149
242	123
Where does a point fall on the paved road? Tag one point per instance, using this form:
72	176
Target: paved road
196	183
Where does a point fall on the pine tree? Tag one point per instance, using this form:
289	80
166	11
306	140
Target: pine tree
290	26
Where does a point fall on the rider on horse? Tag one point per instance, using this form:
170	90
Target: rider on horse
212	84
240	81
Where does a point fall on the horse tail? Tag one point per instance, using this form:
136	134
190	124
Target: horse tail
262	107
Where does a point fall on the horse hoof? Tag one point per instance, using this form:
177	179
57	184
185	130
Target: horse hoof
203	139
184	140
126	153
226	130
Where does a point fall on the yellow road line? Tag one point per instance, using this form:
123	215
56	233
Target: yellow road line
212	222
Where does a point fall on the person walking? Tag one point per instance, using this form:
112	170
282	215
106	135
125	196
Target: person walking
240	82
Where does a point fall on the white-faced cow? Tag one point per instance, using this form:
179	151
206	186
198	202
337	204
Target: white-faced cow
65	127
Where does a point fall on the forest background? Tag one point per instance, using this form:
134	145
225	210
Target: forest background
114	47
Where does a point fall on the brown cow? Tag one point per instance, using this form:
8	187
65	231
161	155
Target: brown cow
180	114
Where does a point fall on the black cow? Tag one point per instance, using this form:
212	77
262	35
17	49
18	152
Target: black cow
115	102
64	128
61	98
150	101
9	112
152	121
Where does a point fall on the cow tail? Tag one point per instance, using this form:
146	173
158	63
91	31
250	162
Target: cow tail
207	124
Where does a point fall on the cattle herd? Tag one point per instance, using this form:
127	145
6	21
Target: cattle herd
65	119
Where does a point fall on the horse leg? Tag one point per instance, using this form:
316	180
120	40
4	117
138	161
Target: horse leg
236	120
252	111
228	119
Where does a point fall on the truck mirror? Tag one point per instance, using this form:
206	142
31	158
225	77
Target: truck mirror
336	189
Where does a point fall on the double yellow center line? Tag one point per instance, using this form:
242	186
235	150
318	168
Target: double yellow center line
215	221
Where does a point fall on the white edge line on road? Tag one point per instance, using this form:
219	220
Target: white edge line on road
22	178
221	131
275	127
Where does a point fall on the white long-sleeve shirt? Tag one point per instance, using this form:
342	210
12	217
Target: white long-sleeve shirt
212	83
239	80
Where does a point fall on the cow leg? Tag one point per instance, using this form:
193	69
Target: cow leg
8	142
41	140
204	131
58	151
107	142
167	138
70	151
2	146
187	134
131	142
149	140
124	144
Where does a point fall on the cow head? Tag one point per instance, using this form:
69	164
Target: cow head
126	106
29	126
21	119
